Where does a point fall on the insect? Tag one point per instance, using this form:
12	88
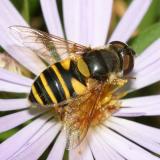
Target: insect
75	83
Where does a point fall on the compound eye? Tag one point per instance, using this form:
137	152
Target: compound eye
118	44
128	63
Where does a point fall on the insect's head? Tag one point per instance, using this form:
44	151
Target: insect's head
127	55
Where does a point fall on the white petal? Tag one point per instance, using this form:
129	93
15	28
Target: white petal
140	106
124	146
149	55
13	104
24	56
87	22
152	110
102	150
140	101
150	132
134	136
130	20
15	119
148	76
14	143
15	78
136	112
12	87
40	145
51	16
58	148
146	68
8	11
82	152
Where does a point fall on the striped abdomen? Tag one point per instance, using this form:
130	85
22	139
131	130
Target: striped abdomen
57	83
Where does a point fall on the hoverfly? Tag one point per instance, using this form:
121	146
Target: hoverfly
75	84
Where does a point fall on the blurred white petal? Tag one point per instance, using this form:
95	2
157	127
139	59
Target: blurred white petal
130	20
13	87
123	146
40	145
82	152
140	101
10	64
102	150
12	145
15	78
88	21
149	55
150	132
23	56
13	104
139	106
140	139
51	16
58	149
152	110
146	77
15	119
144	68
10	14
136	112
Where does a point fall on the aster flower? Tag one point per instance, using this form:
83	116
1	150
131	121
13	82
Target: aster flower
87	23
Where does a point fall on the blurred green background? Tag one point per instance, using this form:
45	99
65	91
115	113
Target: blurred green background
147	32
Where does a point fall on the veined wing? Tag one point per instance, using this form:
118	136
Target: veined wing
79	115
49	47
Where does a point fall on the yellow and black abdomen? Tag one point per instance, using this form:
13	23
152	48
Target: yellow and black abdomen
57	83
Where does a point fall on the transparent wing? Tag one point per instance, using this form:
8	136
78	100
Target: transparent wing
79	114
49	47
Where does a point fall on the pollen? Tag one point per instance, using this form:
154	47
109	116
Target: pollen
109	102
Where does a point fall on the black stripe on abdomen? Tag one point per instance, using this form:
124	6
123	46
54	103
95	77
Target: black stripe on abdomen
41	91
54	84
66	75
32	98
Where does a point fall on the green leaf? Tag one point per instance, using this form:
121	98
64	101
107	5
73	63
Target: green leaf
146	37
25	10
151	16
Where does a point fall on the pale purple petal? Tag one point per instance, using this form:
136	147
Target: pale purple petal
75	28
13	104
140	139
150	54
58	149
12	87
130	20
23	56
23	136
51	16
39	145
15	78
136	112
15	119
144	68
123	146
88	21
99	20
143	110
146	77
140	106
140	101
8	11
150	132
101	150
82	152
